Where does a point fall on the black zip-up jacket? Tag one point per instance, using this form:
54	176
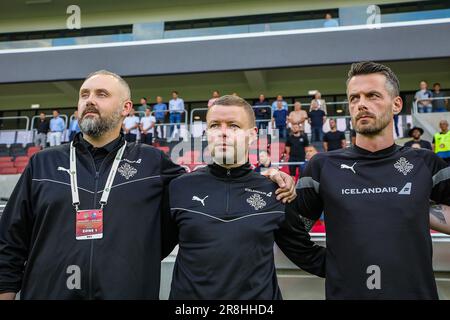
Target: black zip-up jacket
228	220
376	207
38	248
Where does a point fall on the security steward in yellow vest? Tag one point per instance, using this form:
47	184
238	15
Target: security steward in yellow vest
441	141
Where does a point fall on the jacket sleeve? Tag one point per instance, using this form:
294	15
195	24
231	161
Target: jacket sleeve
295	242
169	230
440	171
16	225
308	199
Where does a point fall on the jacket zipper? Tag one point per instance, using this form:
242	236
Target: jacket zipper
228	190
91	257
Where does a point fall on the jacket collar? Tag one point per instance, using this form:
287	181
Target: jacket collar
380	153
80	143
231	173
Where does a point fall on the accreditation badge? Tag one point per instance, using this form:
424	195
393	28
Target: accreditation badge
89	224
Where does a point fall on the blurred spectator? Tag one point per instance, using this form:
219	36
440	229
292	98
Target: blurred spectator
330	22
280	119
57	127
147	126
441	141
131	126
298	115
397	132
176	107
310	152
407	129
440	104
279	99
423	98
353	137
215	96
74	128
159	110
416	142
295	147
43	127
264	162
334	139
317	118
320	102
142	107
261	113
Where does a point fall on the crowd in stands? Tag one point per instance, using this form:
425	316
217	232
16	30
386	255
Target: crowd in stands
159	124
430	101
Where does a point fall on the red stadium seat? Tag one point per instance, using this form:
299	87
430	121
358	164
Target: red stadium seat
33	150
8	170
19	164
6	159
7	164
22	159
285	169
20	169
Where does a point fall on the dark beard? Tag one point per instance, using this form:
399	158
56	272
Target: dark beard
97	126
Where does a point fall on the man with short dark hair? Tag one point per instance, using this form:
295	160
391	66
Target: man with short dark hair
43	127
264	161
334	139
160	111
228	219
147	127
316	118
263	112
376	199
296	143
280	120
440	103
176	107
142	107
131	126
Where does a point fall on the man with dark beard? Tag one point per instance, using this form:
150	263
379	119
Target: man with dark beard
376	199
74	228
71	229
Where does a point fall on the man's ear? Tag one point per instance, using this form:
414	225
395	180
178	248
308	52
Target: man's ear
127	105
398	105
